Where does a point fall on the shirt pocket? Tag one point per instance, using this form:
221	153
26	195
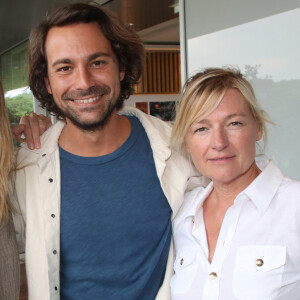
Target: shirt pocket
258	272
185	267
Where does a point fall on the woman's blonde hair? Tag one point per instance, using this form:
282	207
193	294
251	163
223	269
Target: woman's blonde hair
201	95
6	160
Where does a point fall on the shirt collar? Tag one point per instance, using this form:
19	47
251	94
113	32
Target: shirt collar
194	200
261	191
264	187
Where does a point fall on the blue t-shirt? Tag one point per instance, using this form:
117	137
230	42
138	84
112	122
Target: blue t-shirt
115	223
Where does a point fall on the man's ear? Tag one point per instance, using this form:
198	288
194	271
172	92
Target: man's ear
48	86
122	75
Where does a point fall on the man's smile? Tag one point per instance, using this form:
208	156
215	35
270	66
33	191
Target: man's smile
88	100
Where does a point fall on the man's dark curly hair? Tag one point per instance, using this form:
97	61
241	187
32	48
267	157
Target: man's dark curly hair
125	43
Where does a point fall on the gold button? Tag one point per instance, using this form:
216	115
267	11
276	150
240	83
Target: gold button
181	261
193	220
259	262
213	275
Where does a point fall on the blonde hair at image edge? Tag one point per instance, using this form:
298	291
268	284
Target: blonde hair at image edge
201	95
6	160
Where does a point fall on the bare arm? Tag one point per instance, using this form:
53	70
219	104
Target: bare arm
30	129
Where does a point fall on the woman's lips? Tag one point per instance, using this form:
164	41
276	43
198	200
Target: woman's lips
221	160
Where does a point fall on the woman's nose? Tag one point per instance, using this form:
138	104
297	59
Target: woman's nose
219	139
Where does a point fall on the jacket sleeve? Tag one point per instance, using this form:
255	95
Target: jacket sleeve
18	218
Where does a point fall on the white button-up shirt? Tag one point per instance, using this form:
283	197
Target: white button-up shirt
257	256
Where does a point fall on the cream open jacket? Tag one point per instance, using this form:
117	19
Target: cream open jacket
38	196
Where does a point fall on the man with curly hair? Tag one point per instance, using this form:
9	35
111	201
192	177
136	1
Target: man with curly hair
97	197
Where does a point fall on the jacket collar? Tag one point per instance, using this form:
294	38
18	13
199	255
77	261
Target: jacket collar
158	133
157	130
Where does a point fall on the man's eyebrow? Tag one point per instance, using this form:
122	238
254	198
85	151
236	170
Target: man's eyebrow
61	61
98	54
90	57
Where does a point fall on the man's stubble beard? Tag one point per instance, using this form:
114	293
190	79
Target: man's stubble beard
104	115
97	124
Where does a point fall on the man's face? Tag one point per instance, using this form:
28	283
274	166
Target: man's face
83	74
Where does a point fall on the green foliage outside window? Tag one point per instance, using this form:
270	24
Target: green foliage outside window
19	106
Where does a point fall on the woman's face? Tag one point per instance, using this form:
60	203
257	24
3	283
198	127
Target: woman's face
222	145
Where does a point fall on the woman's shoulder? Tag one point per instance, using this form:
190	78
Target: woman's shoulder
282	186
290	187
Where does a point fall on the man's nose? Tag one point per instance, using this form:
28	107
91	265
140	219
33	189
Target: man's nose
219	139
83	79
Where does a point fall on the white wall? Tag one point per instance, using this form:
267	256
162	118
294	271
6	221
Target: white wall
262	34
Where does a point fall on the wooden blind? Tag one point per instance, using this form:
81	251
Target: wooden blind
161	73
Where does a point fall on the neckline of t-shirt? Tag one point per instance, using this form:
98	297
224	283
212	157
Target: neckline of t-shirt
108	157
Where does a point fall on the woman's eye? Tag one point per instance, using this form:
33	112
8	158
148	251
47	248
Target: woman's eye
235	123
201	129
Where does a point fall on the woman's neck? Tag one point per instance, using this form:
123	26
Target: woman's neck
225	192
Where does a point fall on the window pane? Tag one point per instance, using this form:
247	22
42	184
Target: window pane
265	46
19	99
19	102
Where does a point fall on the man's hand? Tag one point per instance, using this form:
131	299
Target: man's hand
30	129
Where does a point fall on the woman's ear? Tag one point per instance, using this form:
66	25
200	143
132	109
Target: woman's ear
186	147
259	133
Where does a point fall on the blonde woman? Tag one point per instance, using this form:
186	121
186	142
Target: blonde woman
9	260
238	238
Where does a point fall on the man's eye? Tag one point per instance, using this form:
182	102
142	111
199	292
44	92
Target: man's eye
98	63
64	69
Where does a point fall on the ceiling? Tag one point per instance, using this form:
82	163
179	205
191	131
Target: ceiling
155	26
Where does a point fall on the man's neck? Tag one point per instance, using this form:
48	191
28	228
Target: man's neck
98	142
